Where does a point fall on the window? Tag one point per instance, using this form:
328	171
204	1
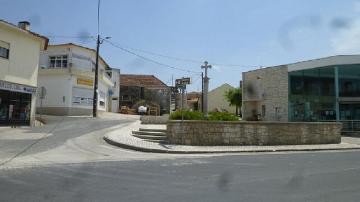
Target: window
82	101
312	94
58	61
4	49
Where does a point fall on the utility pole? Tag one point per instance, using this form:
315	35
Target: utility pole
206	66
95	98
96	79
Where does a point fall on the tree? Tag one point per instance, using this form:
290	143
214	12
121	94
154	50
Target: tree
234	97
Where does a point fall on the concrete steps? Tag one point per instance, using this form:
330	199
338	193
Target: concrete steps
151	135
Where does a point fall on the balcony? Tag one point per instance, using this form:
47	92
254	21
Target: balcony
53	71
106	79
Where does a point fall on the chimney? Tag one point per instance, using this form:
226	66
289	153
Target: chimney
25	25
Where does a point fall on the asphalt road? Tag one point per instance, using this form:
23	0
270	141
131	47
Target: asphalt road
68	161
324	177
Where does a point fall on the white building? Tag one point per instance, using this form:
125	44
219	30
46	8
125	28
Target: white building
19	63
115	92
217	100
67	73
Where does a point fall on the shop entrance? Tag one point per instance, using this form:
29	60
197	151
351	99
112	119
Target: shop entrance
15	108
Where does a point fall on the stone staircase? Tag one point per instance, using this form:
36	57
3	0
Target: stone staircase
151	135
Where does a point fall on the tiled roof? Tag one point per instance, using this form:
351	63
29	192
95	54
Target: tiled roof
193	95
46	40
148	81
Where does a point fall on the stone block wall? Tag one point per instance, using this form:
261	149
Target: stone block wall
211	133
265	92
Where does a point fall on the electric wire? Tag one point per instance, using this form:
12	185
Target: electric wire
148	59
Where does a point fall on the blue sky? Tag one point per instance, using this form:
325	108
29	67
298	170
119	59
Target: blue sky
249	33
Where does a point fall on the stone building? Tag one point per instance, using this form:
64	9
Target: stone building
144	88
325	89
193	101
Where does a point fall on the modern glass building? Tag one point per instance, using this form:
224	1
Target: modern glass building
329	93
326	89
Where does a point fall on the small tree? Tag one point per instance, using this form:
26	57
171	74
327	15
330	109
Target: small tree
234	97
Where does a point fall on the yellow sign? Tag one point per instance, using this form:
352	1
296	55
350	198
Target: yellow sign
86	82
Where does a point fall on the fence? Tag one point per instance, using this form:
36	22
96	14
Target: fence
350	127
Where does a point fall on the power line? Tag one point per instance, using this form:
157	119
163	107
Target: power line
148	59
61	36
186	59
162	55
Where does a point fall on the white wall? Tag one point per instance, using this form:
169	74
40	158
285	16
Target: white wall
116	90
64	81
216	99
57	87
52	51
23	62
323	62
103	89
22	65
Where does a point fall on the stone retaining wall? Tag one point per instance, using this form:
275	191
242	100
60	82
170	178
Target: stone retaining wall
252	133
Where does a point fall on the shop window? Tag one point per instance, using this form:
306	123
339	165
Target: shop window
58	61
15	108
4	49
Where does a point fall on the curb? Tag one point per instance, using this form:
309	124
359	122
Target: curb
148	150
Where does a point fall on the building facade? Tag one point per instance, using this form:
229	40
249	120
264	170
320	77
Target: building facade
67	73
115	91
325	89
19	63
217	100
193	101
144	90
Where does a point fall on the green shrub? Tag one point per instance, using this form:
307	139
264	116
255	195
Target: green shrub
186	115
213	116
222	116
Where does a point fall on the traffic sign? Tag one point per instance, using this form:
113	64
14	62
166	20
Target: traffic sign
183	81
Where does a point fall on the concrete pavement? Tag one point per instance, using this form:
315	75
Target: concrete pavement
66	140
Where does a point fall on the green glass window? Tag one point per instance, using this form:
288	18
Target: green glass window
312	94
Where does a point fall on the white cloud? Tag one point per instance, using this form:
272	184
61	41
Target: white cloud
347	41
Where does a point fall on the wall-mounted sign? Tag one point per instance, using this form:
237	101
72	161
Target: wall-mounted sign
86	82
4	85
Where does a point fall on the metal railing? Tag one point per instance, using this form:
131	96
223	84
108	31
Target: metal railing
350	126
